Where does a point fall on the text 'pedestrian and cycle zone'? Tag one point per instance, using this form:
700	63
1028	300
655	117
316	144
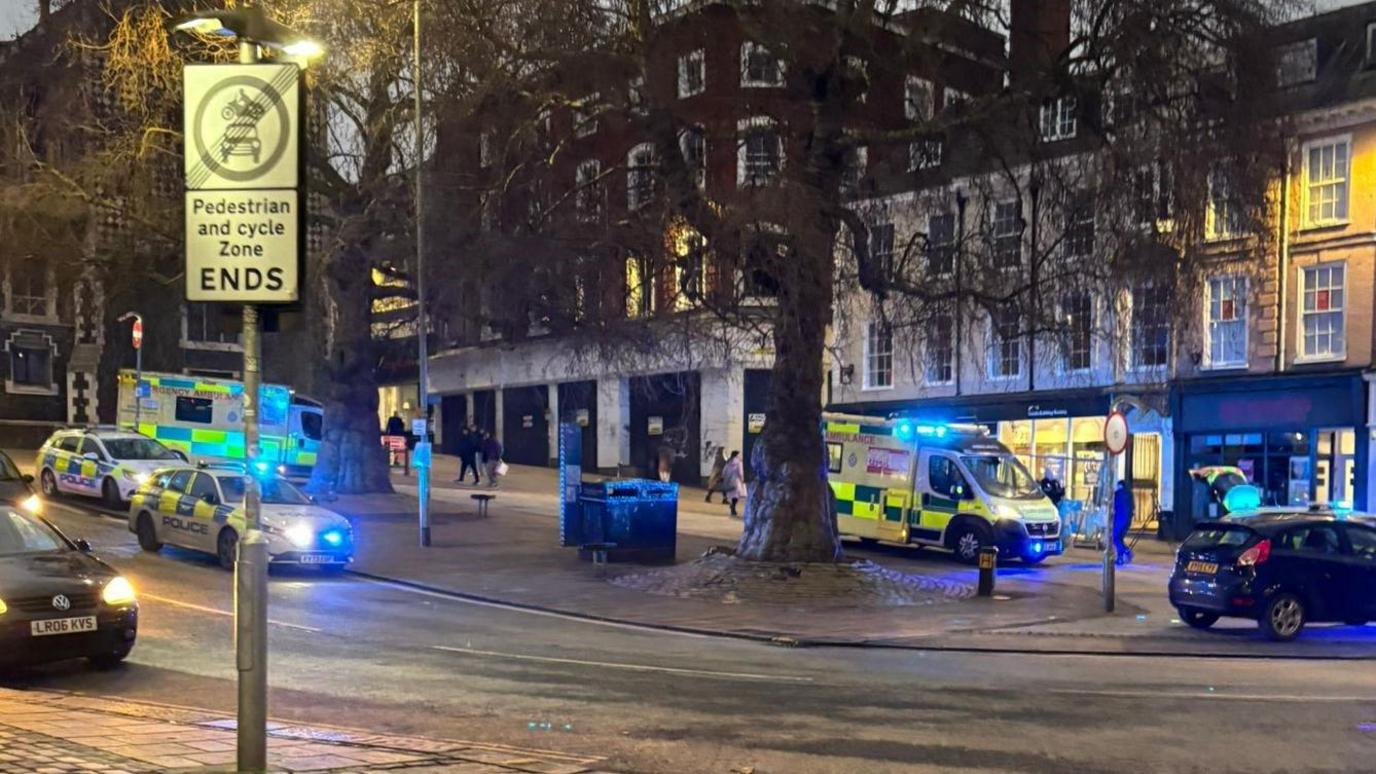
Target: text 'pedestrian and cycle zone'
242	206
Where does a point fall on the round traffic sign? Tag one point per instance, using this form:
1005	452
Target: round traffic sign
1116	433
137	334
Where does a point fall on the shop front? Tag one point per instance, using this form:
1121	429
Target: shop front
1300	439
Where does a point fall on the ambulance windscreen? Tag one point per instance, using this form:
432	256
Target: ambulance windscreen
1001	475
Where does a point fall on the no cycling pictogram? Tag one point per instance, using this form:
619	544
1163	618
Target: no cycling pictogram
241	123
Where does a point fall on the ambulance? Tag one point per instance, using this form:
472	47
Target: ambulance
944	485
204	419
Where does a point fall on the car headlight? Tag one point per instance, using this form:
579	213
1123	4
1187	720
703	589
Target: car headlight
301	535
118	591
32	505
1006	512
2	607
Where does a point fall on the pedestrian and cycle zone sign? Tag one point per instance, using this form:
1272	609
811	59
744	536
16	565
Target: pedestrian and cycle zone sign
242	168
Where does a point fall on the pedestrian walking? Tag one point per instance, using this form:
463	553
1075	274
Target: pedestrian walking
733	481
1122	521
468	455
492	457
396	425
714	480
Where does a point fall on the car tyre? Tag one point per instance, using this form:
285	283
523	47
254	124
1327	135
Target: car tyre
48	483
1283	618
148	534
970	538
107	661
1197	619
226	548
109	494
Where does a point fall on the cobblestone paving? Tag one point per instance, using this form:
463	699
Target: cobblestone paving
53	733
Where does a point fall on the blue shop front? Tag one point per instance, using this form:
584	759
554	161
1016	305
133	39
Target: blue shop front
1300	438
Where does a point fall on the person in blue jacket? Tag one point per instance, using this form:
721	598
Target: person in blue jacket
1122	520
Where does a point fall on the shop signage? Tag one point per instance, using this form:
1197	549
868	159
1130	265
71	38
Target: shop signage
418	428
755	423
1036	411
242	164
655	425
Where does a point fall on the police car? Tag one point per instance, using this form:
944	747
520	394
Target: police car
106	462
202	508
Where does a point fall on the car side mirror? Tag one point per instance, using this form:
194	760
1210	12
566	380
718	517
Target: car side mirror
28	478
82	545
210	499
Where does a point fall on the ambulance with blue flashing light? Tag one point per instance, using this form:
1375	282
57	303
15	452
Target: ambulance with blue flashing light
201	508
103	462
950	486
204	418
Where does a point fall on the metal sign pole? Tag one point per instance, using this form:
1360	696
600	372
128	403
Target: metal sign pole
1110	550
422	327
250	570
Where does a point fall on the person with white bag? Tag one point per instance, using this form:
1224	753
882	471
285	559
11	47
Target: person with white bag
492	458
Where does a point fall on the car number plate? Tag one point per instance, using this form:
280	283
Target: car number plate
317	559
1207	568
86	623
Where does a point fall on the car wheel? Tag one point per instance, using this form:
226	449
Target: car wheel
969	540
48	483
226	548
1197	619
106	661
109	494
1283	618
148	534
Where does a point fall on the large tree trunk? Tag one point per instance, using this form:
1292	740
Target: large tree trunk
790	515
352	460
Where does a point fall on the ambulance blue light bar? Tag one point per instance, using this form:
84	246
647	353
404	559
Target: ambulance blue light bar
907	431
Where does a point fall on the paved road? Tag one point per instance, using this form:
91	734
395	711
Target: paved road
357	653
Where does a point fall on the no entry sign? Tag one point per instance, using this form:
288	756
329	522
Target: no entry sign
242	169
136	335
1116	433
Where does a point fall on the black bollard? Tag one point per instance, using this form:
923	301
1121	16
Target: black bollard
988	564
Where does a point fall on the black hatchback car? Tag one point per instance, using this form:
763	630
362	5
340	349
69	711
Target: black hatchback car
1281	570
58	602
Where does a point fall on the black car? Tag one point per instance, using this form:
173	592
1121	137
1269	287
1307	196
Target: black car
16	487
58	602
1282	570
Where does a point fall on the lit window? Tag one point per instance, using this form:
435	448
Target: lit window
1297	62
924	154
1005	340
1058	119
1227	344
640	176
1322	324
760	68
1151	326
941	243
878	357
1005	237
692	142
1154	195
588	198
857	161
954	98
692	73
918	96
1326	168
858	70
941	349
640	291
1078	344
760	156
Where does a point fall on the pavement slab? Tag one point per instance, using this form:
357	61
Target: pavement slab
46	731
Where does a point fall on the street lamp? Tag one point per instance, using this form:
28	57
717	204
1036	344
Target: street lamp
136	338
253	29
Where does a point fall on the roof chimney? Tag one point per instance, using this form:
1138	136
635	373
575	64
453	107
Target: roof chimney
1039	33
